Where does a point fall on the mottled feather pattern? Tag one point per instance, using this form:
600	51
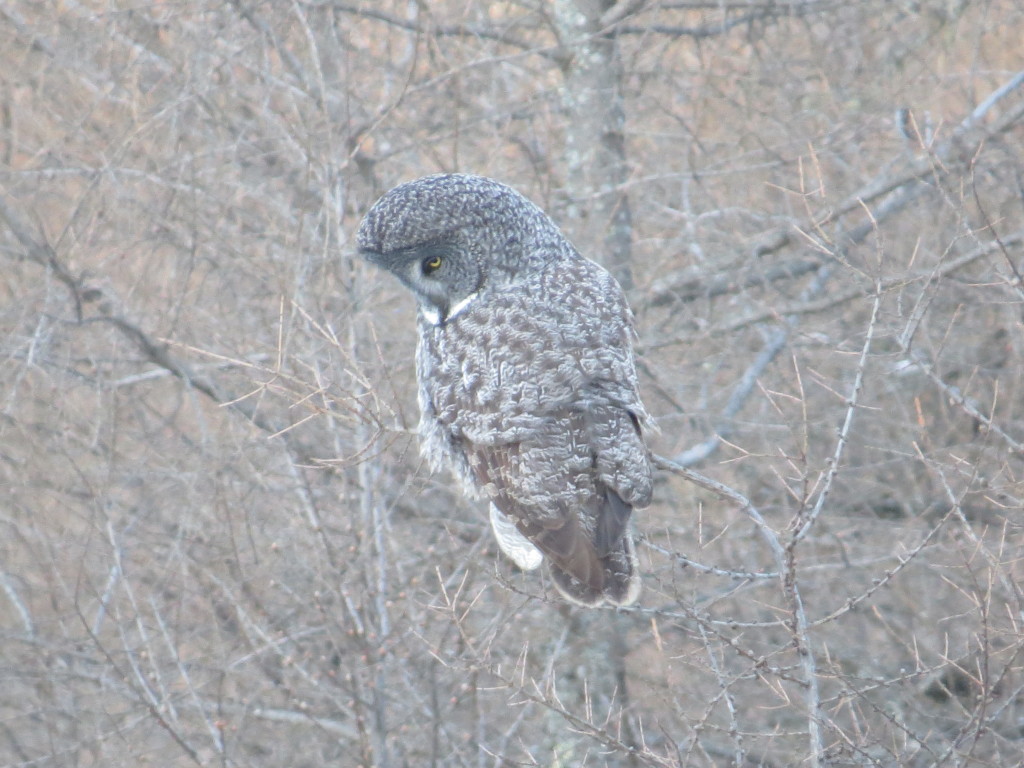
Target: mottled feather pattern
540	366
528	392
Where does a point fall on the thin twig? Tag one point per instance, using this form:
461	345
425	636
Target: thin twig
739	754
957	397
902	561
19	605
844	432
710	569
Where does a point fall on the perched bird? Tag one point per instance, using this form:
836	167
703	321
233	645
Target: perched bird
527	385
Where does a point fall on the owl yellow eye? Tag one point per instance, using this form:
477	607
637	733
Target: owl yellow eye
431	264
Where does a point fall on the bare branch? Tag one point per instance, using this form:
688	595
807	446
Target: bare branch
474	31
805	524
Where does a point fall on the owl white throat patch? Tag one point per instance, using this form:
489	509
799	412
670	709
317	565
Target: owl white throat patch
433	316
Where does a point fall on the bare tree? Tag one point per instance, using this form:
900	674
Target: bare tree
219	544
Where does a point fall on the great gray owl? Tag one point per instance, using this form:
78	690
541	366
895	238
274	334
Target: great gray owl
527	386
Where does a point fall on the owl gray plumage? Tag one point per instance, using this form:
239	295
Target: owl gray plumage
527	385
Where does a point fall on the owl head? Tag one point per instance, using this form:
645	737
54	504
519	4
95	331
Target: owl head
449	237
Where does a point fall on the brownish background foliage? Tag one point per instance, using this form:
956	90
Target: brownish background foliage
218	544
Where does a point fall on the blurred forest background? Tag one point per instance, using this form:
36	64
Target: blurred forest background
218	543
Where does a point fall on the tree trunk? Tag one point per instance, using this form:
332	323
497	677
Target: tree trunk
595	147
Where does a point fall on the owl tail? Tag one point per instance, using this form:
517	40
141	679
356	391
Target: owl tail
619	579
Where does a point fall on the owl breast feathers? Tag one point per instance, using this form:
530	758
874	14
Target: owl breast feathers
527	385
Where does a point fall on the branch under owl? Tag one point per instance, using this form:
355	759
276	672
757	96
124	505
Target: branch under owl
785	562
